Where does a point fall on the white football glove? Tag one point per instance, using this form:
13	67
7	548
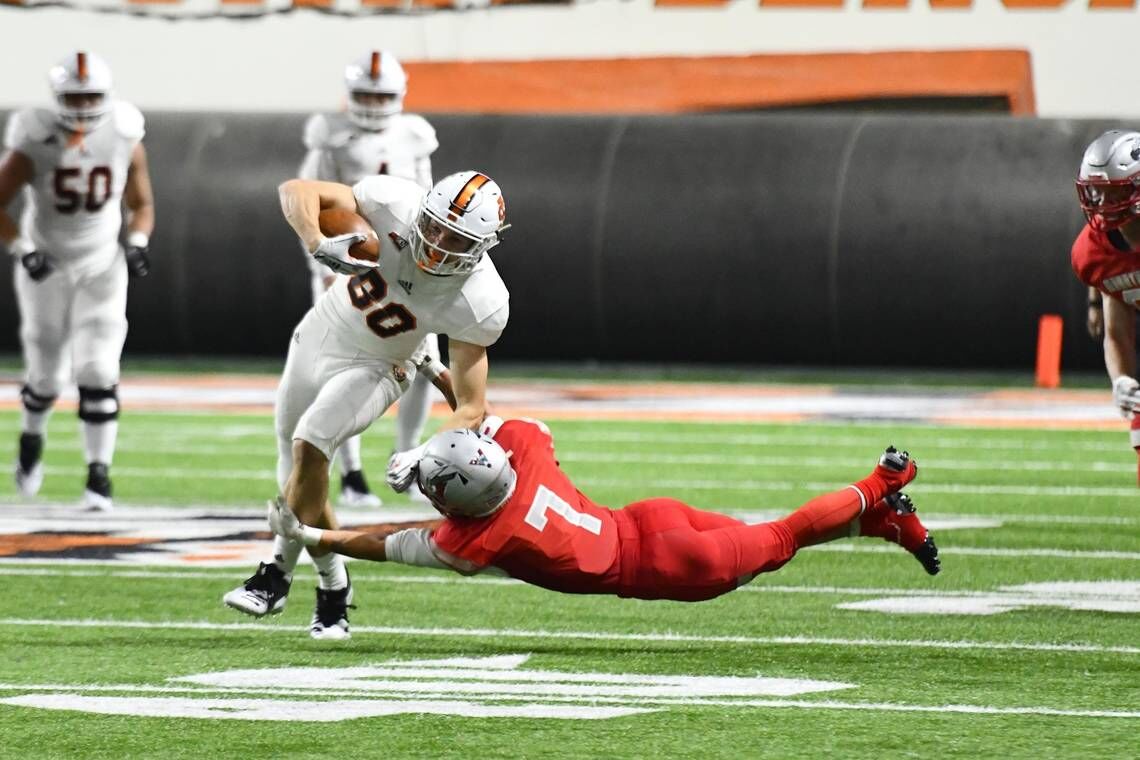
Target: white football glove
333	253
283	522
402	467
1126	394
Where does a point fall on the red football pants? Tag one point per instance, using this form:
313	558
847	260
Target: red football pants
670	550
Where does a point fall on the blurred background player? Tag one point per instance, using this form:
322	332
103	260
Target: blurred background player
1106	257
509	507
374	136
354	352
79	163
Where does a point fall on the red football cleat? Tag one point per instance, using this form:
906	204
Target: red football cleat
894	519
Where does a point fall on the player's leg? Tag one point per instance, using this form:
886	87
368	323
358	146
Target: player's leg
266	591
678	561
45	309
412	414
346	405
99	328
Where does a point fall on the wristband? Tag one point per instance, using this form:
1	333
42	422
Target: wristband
20	247
138	239
311	536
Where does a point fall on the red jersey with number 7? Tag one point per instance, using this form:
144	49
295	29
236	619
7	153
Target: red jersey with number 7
548	533
1104	262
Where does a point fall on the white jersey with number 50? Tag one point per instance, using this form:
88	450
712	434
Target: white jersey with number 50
73	206
387	312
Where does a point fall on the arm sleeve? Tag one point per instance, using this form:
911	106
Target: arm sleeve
413	547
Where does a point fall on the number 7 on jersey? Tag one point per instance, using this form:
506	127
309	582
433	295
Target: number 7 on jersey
545	499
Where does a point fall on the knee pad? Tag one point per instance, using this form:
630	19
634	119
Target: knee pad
98	404
35	402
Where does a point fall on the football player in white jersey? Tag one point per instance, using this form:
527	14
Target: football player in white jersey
373	137
354	353
78	164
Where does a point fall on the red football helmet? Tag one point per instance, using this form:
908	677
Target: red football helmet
1108	184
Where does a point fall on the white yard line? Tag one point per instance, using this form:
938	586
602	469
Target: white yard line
508	633
829	704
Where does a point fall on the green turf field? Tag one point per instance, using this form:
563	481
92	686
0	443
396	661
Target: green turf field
1027	645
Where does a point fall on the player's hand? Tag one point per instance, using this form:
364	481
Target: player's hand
1126	394
283	522
403	466
38	264
333	253
138	260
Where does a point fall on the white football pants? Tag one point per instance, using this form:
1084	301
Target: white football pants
86	312
329	392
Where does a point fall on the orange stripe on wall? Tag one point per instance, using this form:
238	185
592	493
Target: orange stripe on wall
679	85
1112	3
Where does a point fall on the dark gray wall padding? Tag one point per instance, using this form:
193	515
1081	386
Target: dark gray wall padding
746	238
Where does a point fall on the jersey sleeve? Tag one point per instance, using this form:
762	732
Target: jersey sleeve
24	130
459	544
423	139
485	331
129	121
400	197
1080	258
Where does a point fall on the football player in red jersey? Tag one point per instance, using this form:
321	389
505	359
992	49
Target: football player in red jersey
508	505
1106	256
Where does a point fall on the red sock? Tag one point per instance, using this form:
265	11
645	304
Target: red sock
824	516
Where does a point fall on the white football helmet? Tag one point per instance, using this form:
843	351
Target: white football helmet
81	83
459	220
376	87
1108	183
465	474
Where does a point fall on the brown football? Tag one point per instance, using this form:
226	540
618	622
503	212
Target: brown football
338	221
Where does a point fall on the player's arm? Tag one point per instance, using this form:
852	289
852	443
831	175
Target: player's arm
1120	354
139	195
423	172
1119	339
469	367
16	170
139	199
302	201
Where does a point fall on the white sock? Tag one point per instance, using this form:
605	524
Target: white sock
285	554
331	574
34	422
349	455
99	441
415	405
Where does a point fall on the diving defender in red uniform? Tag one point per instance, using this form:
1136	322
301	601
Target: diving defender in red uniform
508	505
1106	256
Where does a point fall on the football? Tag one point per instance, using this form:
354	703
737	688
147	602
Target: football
338	221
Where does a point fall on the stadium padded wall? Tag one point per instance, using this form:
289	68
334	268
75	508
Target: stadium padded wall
812	239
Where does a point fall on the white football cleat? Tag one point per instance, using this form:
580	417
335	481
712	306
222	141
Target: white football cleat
96	502
263	593
28	483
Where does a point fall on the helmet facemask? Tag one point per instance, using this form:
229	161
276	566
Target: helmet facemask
372	110
1109	204
442	248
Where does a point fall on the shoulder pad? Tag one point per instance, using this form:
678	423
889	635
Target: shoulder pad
29	126
400	197
326	130
129	121
421	133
